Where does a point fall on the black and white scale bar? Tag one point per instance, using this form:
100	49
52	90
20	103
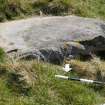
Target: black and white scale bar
80	79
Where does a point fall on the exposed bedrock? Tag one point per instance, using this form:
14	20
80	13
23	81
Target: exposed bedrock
47	37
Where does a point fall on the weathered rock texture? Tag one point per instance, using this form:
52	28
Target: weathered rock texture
47	35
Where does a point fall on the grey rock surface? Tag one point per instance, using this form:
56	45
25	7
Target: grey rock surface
49	32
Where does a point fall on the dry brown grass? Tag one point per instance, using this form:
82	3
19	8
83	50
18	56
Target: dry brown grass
24	68
94	69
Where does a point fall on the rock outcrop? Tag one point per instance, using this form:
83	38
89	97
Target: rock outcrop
48	36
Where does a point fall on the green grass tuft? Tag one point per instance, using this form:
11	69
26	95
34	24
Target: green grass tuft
2	55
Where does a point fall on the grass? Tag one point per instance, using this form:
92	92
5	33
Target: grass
33	83
13	9
93	69
2	55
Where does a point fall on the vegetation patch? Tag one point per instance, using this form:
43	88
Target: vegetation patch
13	9
31	82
